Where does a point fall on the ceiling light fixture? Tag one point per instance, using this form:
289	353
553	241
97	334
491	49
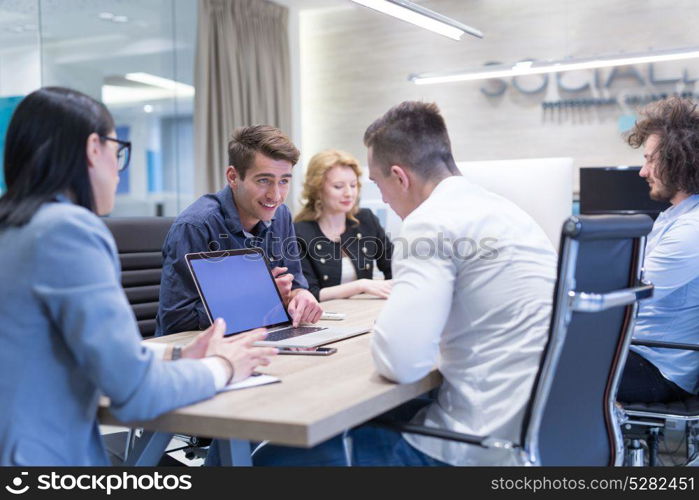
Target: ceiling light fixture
106	16
164	83
420	16
117	95
541	67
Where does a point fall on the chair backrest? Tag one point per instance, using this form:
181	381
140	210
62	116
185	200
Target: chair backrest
539	186
139	241
571	416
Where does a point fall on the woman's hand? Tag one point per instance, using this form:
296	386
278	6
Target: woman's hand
239	349
378	288
196	349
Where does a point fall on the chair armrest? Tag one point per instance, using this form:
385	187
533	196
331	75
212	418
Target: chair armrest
666	345
596	302
482	441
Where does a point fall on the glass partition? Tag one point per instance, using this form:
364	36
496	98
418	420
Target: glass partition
138	58
20	60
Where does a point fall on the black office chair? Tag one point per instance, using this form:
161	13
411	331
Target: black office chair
571	418
646	422
139	241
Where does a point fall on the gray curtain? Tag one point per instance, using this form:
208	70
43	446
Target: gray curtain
242	78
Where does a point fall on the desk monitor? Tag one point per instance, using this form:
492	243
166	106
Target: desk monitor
616	190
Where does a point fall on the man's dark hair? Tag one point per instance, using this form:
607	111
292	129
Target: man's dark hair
45	151
676	123
268	141
412	134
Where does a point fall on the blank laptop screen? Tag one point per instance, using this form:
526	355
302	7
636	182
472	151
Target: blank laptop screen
239	289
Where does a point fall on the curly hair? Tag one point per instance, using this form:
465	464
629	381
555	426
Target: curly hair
675	122
318	167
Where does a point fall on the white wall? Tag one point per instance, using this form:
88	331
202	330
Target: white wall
355	64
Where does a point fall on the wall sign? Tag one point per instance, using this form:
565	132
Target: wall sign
595	80
568	94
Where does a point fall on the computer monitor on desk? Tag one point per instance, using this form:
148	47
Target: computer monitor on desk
616	190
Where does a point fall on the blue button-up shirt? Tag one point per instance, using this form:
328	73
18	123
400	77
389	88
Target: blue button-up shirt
209	224
672	315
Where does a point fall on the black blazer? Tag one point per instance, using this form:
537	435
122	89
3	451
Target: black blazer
364	243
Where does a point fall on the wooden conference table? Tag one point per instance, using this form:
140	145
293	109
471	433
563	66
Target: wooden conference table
319	397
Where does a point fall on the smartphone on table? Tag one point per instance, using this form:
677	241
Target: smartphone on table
309	351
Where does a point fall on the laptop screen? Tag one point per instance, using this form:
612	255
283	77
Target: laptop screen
237	286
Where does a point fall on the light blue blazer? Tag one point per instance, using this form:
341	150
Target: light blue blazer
67	335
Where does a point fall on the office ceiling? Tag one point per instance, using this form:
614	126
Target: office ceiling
75	24
78	20
95	40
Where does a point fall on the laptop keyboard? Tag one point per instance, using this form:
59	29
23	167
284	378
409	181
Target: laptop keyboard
287	333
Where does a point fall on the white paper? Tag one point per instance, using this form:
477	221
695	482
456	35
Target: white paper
252	381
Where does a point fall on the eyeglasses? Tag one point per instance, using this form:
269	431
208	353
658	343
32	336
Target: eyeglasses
123	152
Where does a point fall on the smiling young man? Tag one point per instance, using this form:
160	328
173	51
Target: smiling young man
669	134
248	212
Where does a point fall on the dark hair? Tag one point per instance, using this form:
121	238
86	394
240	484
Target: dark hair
676	123
45	151
263	139
412	134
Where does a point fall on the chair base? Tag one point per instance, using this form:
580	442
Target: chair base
643	438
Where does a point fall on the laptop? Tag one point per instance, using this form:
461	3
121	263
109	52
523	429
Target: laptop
238	286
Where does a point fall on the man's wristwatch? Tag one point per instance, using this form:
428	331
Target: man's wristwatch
176	352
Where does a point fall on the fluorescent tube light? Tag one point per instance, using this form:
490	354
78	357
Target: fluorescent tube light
164	83
118	95
540	67
420	16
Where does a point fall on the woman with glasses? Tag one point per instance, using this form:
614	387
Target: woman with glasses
123	152
67	331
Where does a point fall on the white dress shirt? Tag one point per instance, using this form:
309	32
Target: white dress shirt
473	280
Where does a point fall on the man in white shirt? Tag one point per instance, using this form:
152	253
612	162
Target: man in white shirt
472	295
478	308
669	134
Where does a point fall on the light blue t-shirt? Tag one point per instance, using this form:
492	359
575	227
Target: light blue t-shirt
672	315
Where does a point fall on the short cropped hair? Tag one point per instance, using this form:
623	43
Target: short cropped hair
264	139
412	134
676	123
